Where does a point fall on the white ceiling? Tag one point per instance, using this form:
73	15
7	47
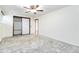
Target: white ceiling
17	10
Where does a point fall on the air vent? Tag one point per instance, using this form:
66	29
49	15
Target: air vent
2	12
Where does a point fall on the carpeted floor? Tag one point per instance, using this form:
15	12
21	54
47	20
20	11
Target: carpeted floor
35	44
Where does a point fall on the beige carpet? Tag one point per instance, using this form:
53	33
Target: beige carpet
35	44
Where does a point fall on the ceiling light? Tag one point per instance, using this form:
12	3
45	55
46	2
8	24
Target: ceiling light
33	11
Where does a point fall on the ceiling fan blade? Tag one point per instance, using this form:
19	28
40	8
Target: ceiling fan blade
37	6
34	6
26	7
40	10
35	13
27	11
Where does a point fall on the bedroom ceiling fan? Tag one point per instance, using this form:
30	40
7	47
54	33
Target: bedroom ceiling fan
33	9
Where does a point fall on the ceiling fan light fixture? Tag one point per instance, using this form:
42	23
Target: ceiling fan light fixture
33	11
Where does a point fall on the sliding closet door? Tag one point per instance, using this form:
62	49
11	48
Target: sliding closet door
25	26
17	26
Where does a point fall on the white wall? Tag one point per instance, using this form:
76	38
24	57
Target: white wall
61	25
6	26
0	25
0	31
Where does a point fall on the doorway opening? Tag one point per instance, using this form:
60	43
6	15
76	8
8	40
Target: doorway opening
36	26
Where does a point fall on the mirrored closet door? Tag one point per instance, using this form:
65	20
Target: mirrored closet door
17	26
25	26
21	25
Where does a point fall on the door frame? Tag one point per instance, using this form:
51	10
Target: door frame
36	26
21	24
